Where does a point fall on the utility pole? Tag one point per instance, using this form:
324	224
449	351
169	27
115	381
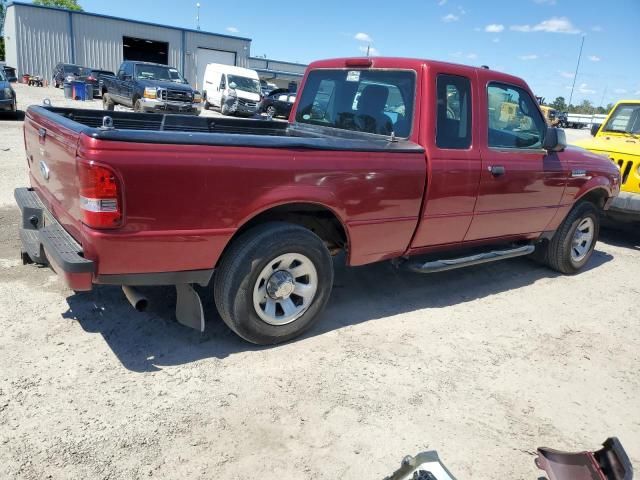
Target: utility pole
602	99
368	49
198	16
577	67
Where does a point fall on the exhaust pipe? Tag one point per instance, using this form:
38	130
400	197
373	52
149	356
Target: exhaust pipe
136	299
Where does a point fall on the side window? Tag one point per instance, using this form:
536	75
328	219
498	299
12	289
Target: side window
514	119
223	81
128	69
454	112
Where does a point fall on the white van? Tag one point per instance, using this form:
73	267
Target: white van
234	90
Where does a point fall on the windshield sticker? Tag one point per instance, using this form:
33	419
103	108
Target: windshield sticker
353	76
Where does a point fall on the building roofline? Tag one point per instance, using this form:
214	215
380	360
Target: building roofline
279	61
122	19
278	72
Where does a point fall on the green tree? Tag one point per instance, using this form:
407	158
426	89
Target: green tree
559	104
68	4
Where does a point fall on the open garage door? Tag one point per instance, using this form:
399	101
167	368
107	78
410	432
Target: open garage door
143	50
207	55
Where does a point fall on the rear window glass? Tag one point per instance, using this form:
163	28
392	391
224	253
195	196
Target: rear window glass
370	101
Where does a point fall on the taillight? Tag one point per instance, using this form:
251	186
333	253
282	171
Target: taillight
100	199
91	78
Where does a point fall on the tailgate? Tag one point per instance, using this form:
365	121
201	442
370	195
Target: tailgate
51	153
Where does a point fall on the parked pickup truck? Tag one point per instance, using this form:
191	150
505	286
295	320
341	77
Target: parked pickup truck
150	88
412	161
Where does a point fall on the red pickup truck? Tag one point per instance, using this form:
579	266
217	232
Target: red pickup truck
432	165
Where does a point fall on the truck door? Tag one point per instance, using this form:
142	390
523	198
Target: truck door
453	158
127	84
521	184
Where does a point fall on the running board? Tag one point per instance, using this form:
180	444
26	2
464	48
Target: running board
453	263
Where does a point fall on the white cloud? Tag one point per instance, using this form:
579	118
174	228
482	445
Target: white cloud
363	37
594	58
462	11
597	28
566	74
548	2
472	56
620	90
442	2
637	93
494	28
450	18
552	25
232	29
585	90
373	52
528	57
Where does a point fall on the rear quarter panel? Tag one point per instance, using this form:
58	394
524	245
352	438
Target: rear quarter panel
183	203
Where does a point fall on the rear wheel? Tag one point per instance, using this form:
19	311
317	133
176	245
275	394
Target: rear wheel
273	282
107	102
271	111
573	243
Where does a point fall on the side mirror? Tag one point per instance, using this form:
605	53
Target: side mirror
594	129
127	77
233	85
554	140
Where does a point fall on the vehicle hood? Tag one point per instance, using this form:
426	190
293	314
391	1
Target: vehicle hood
594	163
607	144
254	97
183	87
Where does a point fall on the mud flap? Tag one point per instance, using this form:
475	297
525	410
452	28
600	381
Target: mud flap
189	307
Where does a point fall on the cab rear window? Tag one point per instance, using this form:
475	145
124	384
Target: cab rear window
371	101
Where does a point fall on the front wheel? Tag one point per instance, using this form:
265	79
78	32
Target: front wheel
107	102
273	282
573	243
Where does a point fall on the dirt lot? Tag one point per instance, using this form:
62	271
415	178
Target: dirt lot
483	364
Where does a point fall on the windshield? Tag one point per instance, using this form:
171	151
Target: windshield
245	84
72	70
158	72
371	101
624	119
3	77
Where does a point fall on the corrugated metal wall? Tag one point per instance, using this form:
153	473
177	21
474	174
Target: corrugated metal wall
10	48
194	40
41	39
99	40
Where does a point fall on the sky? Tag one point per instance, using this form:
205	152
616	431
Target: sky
538	40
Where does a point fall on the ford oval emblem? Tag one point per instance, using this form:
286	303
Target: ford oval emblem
44	169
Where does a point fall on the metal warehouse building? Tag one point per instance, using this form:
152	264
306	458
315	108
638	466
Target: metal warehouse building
37	38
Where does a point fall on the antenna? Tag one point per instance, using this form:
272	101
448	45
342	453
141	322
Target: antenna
576	74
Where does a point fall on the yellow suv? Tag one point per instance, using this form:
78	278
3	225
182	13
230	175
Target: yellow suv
619	139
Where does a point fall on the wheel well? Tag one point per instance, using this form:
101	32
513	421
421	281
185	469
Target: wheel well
597	196
320	220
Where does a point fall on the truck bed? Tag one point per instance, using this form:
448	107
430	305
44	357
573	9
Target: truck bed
190	130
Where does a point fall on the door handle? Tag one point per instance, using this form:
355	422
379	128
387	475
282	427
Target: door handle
496	170
42	135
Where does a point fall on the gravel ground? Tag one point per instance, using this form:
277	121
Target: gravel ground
483	364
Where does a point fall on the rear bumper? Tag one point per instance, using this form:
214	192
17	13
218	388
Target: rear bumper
45	242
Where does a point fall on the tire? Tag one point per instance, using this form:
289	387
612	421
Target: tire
137	106
206	104
272	111
251	264
224	109
561	253
107	102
